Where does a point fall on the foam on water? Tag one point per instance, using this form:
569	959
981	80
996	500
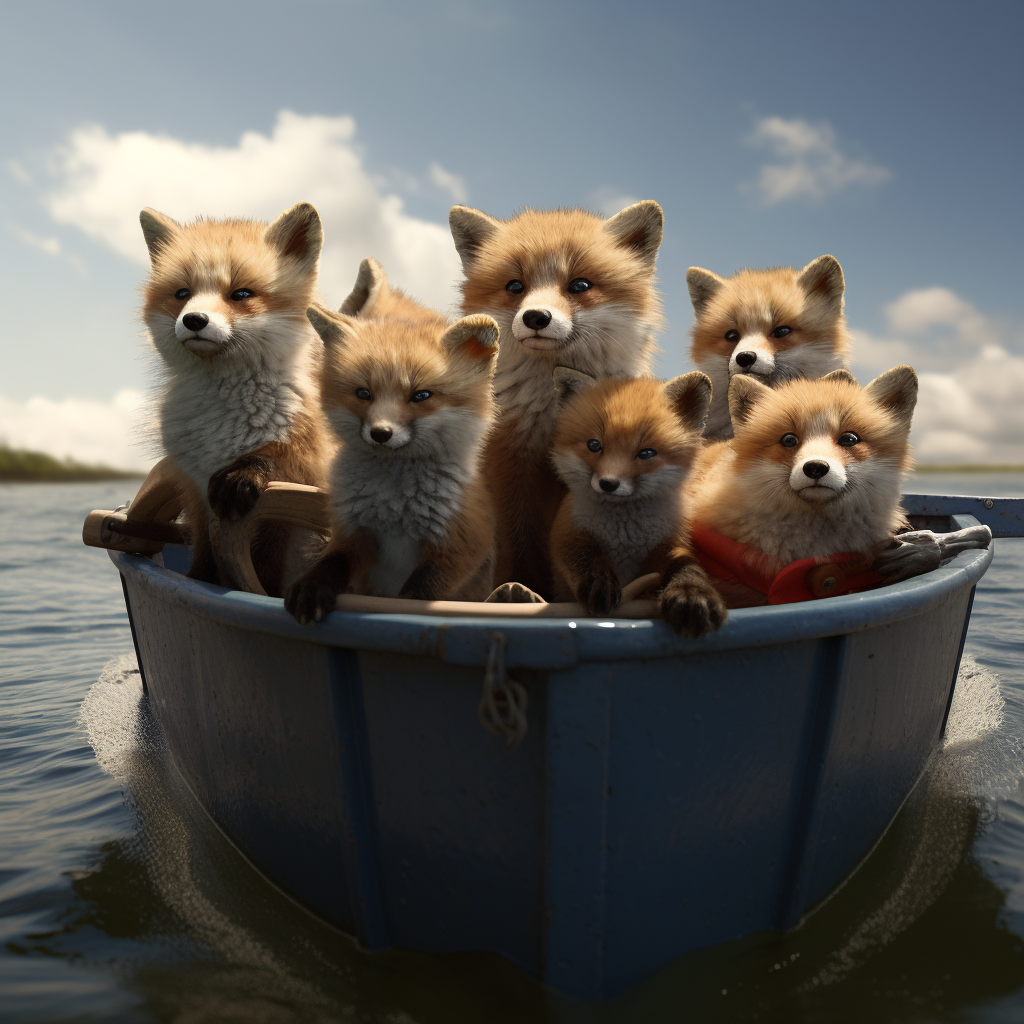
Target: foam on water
171	844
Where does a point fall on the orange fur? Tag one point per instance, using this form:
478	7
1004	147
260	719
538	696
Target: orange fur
625	513
752	307
613	323
417	492
743	487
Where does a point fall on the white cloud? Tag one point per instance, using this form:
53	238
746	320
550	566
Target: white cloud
48	244
51	246
103	180
87	430
609	201
18	172
448	182
970	406
811	164
919	310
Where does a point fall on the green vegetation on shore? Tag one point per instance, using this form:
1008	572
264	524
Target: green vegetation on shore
35	467
968	467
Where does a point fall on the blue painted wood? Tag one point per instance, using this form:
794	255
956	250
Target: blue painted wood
1003	516
670	793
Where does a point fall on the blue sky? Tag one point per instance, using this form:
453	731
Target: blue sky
770	132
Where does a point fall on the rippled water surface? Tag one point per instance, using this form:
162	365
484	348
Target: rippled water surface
119	901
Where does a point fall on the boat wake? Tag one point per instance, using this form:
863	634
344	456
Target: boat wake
979	763
178	847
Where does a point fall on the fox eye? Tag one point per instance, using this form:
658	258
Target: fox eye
182	293
515	287
789	440
594	445
364	394
240	294
847	439
646	453
732	335
420	396
579	284
781	332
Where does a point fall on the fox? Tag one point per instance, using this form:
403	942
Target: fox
409	398
624	450
814	469
774	325
225	308
565	287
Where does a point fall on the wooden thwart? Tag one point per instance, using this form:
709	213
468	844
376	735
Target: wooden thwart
149	523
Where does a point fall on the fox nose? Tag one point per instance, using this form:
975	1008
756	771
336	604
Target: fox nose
381	434
195	321
746	359
536	319
609	484
815	470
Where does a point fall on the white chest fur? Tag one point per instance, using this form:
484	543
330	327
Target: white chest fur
405	503
607	341
627	530
209	418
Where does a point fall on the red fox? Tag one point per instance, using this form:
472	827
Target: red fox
814	469
565	287
409	397
225	305
624	449
774	325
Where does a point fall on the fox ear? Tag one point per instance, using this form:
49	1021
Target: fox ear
744	394
703	285
158	231
690	396
896	391
569	382
371	284
475	337
299	234
332	327
841	375
823	279
639	227
470	229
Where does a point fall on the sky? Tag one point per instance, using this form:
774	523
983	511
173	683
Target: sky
888	135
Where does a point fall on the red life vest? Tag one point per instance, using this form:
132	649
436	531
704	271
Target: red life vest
804	580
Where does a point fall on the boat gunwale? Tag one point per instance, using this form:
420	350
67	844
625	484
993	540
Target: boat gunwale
554	643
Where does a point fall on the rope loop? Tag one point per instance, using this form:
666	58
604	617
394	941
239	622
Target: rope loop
503	701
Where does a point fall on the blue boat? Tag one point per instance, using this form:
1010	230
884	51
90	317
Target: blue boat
667	793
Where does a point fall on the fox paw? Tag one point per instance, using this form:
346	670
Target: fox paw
309	600
693	609
600	592
233	490
514	593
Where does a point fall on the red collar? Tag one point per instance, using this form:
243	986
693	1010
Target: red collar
804	580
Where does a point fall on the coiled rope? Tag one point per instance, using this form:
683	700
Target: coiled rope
503	702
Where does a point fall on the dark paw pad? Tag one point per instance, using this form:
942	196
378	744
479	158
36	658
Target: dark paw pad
309	600
693	610
600	593
515	593
233	491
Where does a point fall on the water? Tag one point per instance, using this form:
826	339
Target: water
119	901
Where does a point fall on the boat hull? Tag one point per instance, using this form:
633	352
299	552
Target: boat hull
669	793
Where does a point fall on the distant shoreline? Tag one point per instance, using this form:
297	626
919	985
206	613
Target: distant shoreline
18	466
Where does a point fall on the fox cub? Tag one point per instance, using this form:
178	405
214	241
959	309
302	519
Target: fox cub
815	467
773	325
225	305
565	287
409	398
624	449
